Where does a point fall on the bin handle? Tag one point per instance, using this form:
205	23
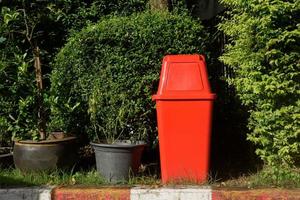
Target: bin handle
202	57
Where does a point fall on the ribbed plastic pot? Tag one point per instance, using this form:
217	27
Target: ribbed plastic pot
45	155
116	161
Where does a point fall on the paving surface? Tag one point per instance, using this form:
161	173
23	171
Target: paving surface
146	193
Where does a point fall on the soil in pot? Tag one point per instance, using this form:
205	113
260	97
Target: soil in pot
6	157
45	155
117	161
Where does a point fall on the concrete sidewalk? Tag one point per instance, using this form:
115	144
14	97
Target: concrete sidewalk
146	193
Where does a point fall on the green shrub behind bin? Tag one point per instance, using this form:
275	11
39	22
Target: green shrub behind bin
265	54
112	69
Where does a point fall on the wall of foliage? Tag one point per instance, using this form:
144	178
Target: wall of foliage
264	53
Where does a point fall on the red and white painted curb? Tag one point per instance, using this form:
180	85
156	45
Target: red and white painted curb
27	193
189	193
146	193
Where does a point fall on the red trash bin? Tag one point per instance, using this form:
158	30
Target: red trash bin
184	108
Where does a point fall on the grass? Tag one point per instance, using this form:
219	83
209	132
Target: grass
266	178
152	180
14	177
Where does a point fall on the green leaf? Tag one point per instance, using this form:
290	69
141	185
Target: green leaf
2	39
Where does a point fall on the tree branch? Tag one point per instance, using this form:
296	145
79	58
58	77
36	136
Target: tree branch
29	31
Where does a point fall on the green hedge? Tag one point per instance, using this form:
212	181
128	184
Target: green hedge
264	53
112	69
76	14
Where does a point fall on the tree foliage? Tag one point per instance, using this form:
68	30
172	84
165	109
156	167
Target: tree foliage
28	26
23	32
112	69
76	14
265	55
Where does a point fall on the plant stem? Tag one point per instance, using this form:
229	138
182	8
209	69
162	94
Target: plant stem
159	4
38	74
39	82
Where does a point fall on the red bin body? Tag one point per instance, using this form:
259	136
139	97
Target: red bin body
184	108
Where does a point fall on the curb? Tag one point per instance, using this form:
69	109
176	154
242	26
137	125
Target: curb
103	193
146	193
26	193
188	193
256	194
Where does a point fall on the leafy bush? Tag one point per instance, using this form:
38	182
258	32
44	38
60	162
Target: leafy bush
76	14
17	86
264	53
7	105
25	25
17	104
112	69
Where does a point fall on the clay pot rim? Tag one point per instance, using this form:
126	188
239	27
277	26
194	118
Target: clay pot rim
53	141
119	144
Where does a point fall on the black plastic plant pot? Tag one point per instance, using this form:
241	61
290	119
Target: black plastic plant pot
6	157
115	162
45	155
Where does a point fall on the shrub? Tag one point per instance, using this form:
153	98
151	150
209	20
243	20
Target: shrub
264	53
75	14
43	24
17	113
112	68
17	103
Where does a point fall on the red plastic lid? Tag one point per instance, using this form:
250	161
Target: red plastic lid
183	77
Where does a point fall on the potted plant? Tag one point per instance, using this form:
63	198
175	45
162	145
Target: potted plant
118	149
34	147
